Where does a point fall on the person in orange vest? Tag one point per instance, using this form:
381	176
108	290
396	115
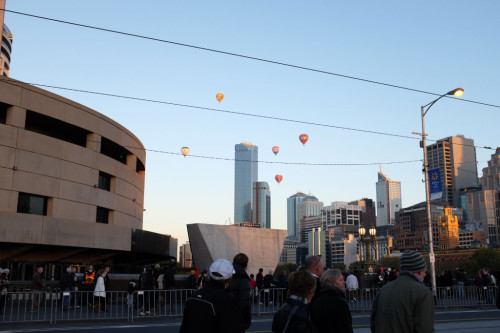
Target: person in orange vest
89	280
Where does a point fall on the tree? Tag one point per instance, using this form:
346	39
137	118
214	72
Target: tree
340	266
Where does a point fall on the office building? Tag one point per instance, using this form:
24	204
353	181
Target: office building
245	175
483	206
455	157
6	46
309	206
341	214
185	255
368	212
388	199
319	245
309	223
291	214
261	205
410	231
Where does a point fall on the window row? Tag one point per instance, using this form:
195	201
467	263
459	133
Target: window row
37	205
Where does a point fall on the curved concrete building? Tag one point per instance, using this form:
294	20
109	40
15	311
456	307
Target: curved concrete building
69	177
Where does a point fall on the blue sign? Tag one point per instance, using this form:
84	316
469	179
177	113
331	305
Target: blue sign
436	189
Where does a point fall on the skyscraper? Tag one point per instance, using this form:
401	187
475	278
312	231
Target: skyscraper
388	199
455	157
6	47
291	214
309	206
261	210
245	174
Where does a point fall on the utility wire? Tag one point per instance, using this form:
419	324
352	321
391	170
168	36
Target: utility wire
8	81
243	56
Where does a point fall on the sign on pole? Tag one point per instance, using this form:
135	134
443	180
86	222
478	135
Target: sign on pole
436	189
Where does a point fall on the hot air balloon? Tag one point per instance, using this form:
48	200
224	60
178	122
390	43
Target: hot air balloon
303	138
185	151
276	150
278	178
220	97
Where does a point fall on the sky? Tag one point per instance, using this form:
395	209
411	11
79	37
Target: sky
433	46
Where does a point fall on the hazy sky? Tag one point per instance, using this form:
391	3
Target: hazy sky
433	46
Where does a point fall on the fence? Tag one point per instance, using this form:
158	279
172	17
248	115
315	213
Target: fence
59	306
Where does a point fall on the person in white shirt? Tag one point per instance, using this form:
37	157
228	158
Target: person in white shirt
352	286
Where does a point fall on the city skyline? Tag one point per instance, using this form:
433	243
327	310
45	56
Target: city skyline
380	42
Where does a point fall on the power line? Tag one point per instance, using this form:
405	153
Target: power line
274	62
238	113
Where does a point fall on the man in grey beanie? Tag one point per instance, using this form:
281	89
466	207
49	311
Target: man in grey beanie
406	304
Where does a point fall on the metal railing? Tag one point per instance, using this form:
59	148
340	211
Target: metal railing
57	306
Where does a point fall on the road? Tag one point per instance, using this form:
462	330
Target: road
484	321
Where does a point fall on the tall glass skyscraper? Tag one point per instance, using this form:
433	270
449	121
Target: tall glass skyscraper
388	199
261	205
291	214
245	174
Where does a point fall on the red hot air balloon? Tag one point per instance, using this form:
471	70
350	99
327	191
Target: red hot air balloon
276	150
278	178
303	138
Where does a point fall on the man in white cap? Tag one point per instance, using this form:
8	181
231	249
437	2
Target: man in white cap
406	304
213	308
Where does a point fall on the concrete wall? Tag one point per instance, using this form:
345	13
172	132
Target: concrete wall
212	241
67	174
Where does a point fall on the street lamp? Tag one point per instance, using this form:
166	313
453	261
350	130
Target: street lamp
368	243
423	111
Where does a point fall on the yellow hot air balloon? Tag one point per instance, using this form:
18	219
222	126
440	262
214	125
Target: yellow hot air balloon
220	97
185	151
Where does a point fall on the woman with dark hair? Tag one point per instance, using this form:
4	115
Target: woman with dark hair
240	287
329	311
293	316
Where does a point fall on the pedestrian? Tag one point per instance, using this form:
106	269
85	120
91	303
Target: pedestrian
66	284
100	292
240	287
352	286
269	283
293	316
213	309
75	286
4	288
203	279
329	310
89	280
314	266
406	304
253	285
37	286
192	279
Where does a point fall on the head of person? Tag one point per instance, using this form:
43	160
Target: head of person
106	269
68	269
100	271
204	272
192	272
157	267
261	270
301	284
413	261
73	269
314	265
252	276
221	271
333	278
6	271
1	271
241	259
270	272
91	268
39	269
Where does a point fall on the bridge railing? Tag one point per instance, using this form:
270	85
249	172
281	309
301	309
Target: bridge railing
54	306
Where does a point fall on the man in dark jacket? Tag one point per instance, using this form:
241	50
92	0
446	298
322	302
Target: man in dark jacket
406	304
212	309
66	284
37	285
240	287
314	266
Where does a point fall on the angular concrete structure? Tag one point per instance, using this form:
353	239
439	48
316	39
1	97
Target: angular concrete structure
212	241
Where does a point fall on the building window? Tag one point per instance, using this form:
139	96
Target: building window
114	150
104	181
55	128
31	204
3	112
139	166
102	215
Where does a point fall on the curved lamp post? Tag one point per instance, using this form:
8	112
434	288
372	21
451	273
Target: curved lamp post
424	109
